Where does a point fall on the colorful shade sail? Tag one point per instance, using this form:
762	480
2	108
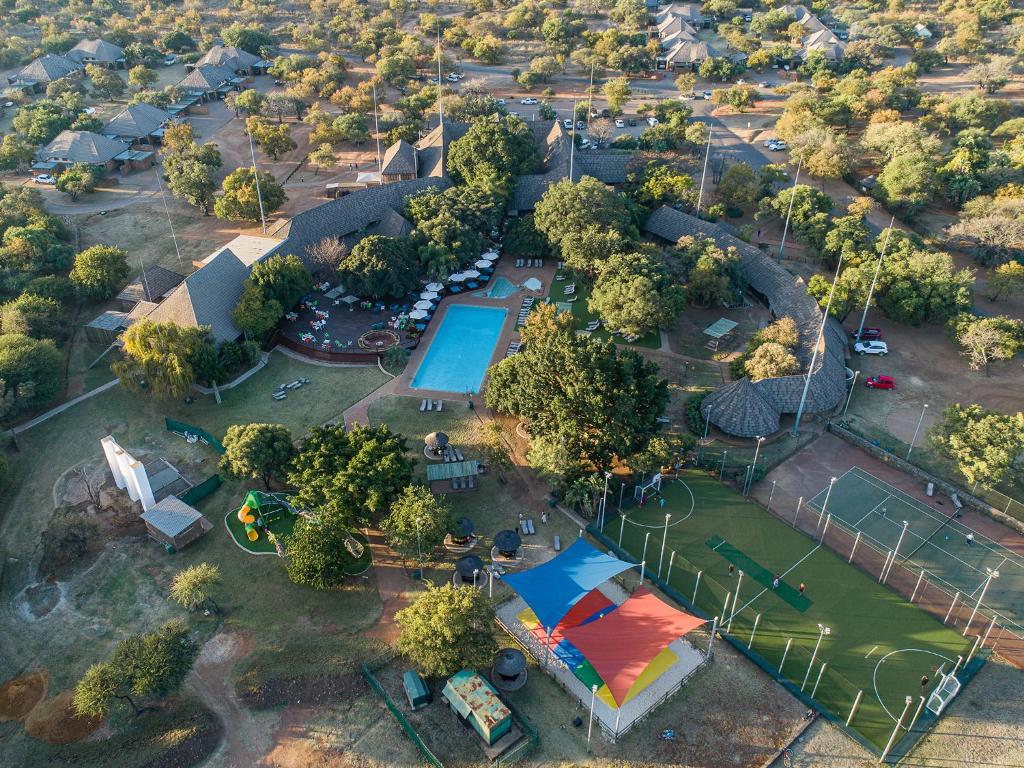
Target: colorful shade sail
553	588
623	643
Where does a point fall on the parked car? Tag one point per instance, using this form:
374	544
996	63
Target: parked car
777	145
652	121
513	113
620	123
631	122
529	100
706	95
279	83
580	125
880	382
606	113
871	348
452	78
500	102
170	60
687	96
764	84
868	334
44	178
567	123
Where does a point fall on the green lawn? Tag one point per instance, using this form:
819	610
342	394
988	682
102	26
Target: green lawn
868	622
583	314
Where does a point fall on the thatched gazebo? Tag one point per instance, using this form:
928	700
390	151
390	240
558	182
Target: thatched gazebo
460	538
465	567
509	670
507	549
436	442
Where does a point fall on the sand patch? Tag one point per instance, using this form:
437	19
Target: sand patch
55	721
19	695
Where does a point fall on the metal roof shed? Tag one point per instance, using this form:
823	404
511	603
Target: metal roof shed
416	690
719	331
174	523
476	702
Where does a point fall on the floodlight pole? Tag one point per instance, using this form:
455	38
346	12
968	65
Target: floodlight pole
920	421
572	138
490	583
644	555
376	124
707	424
671	559
643	567
604	502
167	213
849	397
874	280
707	154
590	95
817	344
735	599
664	538
256	177
991	575
896	551
753	467
822	631
828	493
792	197
475	572
899	724
714	628
590	725
721	472
440	86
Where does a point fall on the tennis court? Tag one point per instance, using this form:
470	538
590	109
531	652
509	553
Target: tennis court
935	541
878	643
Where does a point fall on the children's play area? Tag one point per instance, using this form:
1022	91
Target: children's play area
835	634
261	518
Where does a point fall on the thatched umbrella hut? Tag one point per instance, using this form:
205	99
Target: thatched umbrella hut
436	442
509	670
507	543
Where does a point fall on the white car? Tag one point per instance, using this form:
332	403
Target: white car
500	102
529	100
452	78
706	95
513	113
567	123
652	121
871	348
44	178
620	123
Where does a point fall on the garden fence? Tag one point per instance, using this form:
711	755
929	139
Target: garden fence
183	429
199	492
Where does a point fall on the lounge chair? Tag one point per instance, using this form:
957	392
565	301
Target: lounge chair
423	405
472	285
430	405
279	395
540	263
470	483
456	289
571	299
561	265
559	278
592	325
421	327
519	262
439	405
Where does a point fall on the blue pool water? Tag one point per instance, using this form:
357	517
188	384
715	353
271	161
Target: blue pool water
501	288
461	350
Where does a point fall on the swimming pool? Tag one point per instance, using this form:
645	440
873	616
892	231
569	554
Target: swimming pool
501	288
461	350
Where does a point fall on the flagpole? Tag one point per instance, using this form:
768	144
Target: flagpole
376	128
167	213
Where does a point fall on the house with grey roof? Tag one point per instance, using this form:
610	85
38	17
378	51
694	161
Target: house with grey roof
207	297
36	74
399	163
138	123
239	61
70	147
100	52
210	82
688	12
153	285
750	409
174	523
687	55
822	42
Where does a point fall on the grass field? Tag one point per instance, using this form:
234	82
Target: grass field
879	643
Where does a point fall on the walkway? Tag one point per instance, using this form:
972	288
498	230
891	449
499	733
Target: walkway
393	585
61	408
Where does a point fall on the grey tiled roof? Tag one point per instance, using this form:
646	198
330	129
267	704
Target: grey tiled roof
150	285
349	214
47	68
392	224
98	50
609	166
229	56
400	158
171	516
690	52
734	408
206	78
555	147
207	297
137	120
432	149
82	147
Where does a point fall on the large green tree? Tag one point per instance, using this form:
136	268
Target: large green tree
568	207
166	359
191	587
241	199
261	451
273	287
317	552
417	522
40	317
353	475
984	444
986	339
78	180
99	271
380	266
636	293
446	629
491	153
597	403
31	371
142	667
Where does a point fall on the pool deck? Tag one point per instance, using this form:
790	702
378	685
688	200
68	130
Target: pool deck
505	268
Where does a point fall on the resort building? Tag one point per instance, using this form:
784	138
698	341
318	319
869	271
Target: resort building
99	52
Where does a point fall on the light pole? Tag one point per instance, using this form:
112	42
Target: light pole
878	268
792	197
919	422
647	538
707	424
707	154
590	725
604	501
753	467
817	345
664	538
822	631
850	396
419	549
896	551
824	507
991	575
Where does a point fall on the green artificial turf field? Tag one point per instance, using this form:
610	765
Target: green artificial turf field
879	643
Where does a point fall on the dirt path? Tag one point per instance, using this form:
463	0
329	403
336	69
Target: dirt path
210	680
393	586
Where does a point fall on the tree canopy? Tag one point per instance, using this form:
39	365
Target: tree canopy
417	522
261	451
316	551
99	271
380	266
636	293
568	207
984	444
491	153
240	200
31	371
165	359
446	629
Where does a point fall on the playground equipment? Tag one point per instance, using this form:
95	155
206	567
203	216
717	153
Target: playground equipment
650	487
260	509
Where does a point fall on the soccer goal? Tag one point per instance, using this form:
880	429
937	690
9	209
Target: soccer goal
944	693
648	488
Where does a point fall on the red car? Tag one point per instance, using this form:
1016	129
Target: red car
880	382
868	334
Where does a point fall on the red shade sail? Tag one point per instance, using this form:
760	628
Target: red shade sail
621	644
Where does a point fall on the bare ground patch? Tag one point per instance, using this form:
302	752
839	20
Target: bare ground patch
20	694
55	721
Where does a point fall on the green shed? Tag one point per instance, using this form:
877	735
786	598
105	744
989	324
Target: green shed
476	702
416	690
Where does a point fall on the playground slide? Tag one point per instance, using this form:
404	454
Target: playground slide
251	532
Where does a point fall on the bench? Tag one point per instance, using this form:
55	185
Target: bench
929	490
957	504
557	543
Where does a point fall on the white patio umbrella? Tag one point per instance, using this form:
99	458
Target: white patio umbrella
470	273
491	255
483	264
417	314
533	284
458	277
422	305
350	299
435	287
428	295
